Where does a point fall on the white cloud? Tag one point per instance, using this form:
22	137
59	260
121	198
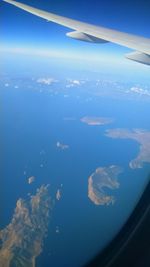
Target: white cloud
46	81
73	83
6	84
140	91
76	82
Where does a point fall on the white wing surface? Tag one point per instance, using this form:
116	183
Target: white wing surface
95	34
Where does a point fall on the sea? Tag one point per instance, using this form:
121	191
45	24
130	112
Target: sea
35	116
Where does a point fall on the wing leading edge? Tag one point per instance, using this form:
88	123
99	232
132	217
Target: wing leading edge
95	34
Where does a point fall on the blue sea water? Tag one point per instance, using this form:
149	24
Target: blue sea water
32	123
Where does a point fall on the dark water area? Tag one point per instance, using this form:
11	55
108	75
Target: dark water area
32	125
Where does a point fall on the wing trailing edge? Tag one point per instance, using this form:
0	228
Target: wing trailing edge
139	57
85	37
95	34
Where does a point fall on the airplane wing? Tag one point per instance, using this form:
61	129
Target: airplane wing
95	34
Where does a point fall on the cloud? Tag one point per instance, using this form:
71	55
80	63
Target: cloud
103	177
22	240
6	84
46	81
76	82
139	91
73	83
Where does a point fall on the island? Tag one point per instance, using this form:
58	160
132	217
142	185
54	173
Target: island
139	135
31	179
62	146
58	194
103	177
22	240
96	120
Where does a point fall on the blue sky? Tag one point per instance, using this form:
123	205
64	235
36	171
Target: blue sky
20	29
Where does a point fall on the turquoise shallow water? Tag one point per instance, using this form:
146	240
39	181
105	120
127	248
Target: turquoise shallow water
32	123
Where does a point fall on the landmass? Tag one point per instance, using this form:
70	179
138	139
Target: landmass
58	194
96	120
22	240
57	230
139	135
31	179
62	146
103	177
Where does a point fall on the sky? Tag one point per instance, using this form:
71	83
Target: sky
21	30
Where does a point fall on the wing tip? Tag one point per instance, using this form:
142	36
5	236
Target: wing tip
139	57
